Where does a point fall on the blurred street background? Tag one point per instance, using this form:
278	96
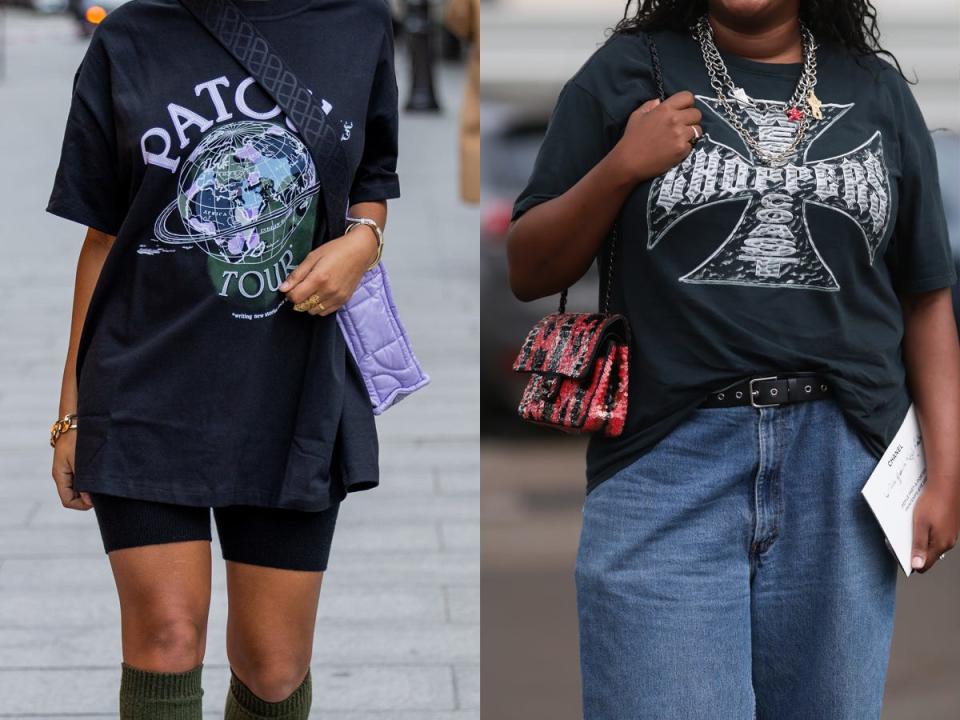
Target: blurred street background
533	480
398	634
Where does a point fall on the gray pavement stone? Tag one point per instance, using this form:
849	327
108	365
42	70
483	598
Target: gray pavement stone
452	481
467	682
16	513
54	645
398	603
463	604
386	509
64	573
463	536
398	625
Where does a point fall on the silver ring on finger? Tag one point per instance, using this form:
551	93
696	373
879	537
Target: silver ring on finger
942	556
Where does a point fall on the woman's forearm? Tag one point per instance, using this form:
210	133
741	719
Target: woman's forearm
552	245
89	264
932	356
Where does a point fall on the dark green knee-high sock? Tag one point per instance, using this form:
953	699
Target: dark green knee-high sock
147	695
242	704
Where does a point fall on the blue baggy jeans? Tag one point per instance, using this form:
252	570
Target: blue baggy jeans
734	571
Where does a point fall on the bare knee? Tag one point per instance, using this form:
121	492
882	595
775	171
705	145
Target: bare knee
165	644
271	676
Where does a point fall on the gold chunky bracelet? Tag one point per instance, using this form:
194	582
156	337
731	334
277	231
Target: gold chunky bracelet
372	224
59	427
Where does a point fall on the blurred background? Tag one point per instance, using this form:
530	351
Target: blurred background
533	479
398	633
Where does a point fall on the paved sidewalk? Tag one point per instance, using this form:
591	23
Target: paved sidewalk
398	635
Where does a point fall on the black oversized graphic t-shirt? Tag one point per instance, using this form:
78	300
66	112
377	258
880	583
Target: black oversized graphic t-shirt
198	383
726	267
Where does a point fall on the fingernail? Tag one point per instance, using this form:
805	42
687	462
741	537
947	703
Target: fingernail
917	562
284	286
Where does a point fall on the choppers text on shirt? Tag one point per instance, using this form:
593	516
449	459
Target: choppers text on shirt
772	244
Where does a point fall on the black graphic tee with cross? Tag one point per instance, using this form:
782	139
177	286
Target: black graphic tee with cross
728	267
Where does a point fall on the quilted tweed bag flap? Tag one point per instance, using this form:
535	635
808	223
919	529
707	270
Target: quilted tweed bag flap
579	362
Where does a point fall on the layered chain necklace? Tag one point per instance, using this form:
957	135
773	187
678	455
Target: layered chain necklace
801	106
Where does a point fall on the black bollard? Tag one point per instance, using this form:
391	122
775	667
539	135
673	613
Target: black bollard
419	30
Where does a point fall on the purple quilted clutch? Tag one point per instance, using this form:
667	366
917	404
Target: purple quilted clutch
379	343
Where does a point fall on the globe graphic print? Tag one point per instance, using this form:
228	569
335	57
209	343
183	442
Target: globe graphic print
242	193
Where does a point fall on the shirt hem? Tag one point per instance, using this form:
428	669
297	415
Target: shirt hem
166	494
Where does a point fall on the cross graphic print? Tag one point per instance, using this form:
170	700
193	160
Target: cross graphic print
771	244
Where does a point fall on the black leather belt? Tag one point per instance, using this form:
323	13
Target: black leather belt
770	391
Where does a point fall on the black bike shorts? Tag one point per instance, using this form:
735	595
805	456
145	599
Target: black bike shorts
272	537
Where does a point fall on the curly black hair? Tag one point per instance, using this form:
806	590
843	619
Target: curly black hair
852	24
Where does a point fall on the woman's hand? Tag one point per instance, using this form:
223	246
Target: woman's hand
332	271
936	523
63	454
931	353
658	136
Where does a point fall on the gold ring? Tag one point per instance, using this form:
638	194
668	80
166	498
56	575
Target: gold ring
307	304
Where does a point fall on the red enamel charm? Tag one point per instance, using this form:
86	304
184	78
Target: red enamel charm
794	114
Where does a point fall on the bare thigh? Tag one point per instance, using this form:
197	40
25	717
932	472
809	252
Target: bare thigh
164	592
270	626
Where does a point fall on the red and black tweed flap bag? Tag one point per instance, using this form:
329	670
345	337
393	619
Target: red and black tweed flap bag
579	364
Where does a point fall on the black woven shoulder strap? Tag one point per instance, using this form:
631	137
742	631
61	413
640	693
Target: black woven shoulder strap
231	28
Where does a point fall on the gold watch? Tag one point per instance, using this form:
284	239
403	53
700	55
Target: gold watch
59	427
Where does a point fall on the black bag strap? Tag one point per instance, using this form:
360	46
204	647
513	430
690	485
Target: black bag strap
231	28
612	241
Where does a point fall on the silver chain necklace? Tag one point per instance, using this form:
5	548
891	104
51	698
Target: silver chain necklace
801	106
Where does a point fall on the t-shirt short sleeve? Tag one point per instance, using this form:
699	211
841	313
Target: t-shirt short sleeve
87	188
376	177
577	138
921	259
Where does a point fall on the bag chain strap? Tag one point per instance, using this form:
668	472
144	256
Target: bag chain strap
605	306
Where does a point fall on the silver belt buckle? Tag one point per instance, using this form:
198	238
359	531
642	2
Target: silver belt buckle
753	393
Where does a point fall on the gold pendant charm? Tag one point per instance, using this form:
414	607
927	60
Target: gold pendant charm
814	102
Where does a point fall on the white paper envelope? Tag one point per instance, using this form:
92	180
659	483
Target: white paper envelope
894	486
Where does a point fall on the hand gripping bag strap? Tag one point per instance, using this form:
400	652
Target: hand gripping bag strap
369	320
